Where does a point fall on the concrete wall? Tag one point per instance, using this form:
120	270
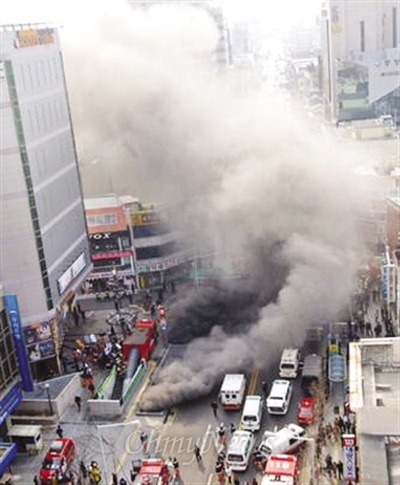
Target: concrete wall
40	407
105	408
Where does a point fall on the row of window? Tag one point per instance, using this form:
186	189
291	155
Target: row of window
48	158
149	230
102	219
47	116
40	73
156	251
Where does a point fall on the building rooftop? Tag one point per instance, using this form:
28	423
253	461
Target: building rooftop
109	200
374	366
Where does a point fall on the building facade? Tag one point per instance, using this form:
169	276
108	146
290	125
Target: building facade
44	243
134	241
360	59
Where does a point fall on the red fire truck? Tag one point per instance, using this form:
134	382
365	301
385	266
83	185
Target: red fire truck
141	339
152	471
282	469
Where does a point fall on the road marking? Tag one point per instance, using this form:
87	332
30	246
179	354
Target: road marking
253	380
210	479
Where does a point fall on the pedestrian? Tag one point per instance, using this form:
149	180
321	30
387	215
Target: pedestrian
368	329
197	453
122	481
143	440
264	387
229	473
83	470
35	480
214	406
176	467
59	431
221	434
236	481
334	469
339	467
114	479
232	428
328	461
78	402
254	482
220	472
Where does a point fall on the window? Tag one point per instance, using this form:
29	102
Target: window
156	251
394	26
362	36
102	219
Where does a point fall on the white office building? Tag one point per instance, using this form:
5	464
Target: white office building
43	238
360	59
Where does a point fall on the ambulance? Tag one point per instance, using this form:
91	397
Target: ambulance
233	391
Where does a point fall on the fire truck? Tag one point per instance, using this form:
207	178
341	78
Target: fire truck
152	471
281	469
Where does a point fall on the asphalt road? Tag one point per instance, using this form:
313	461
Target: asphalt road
194	423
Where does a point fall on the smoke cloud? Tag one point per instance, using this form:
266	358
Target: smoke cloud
256	183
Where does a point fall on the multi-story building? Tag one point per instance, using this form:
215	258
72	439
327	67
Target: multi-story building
110	238
133	241
360	59
374	392
43	239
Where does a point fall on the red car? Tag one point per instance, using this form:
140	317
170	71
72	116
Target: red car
57	459
307	410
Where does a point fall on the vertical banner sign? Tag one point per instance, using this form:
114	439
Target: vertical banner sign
11	304
349	452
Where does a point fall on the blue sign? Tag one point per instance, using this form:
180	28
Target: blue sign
8	451
10	401
336	368
11	304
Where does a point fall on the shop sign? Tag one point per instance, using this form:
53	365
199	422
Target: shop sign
150	267
39	341
389	283
32	37
143	218
111	254
349	450
11	304
71	273
100	235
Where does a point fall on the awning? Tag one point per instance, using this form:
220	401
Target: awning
8	451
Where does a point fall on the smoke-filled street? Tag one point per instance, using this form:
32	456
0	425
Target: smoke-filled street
260	187
191	190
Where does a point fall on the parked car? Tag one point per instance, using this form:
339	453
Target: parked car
307	410
57	459
284	441
239	450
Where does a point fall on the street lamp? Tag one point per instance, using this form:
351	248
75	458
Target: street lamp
133	248
101	439
47	387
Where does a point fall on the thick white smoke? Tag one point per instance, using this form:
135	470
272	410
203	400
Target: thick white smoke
166	125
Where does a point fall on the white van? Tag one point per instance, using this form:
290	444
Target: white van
279	398
252	413
239	450
290	363
285	441
27	437
232	391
